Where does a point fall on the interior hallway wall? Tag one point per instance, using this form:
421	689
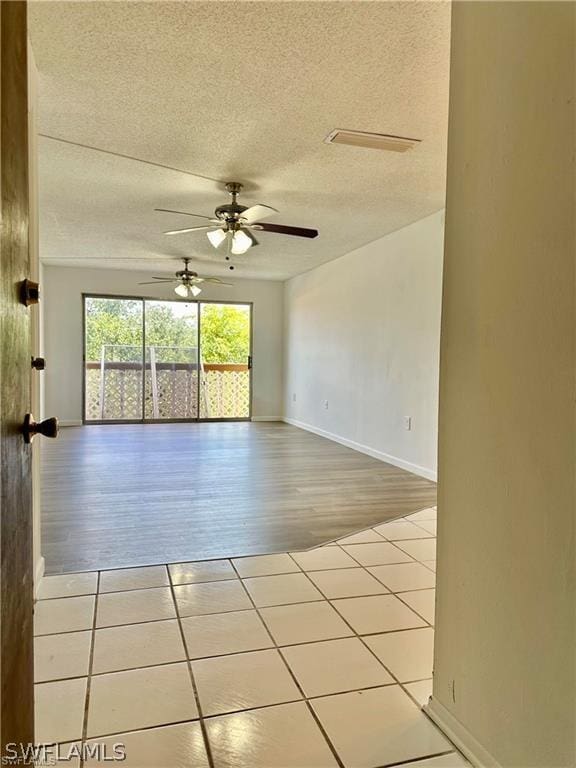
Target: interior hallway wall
505	635
362	333
62	305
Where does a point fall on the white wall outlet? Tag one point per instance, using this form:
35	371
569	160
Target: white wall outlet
293	397
408	423
325	404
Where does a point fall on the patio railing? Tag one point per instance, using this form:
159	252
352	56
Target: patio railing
115	390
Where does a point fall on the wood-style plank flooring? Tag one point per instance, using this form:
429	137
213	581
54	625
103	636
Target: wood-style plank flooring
126	495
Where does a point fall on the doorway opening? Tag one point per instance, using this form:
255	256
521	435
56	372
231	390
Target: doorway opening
147	360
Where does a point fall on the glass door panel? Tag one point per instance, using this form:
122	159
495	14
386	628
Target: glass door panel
225	375
113	346
171	371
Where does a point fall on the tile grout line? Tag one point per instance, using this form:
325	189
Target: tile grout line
207	745
360	638
389	671
89	677
293	676
275	645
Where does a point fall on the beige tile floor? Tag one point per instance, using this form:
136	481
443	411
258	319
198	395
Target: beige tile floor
314	659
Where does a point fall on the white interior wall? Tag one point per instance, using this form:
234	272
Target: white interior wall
62	305
504	667
362	332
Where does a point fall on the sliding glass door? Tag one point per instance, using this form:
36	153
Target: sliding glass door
225	331
113	364
149	360
171	373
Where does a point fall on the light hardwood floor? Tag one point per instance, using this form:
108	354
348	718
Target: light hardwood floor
126	495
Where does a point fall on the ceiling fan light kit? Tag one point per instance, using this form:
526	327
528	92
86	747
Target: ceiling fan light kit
235	222
188	282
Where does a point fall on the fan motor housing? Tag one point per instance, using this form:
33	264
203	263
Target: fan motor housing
231	212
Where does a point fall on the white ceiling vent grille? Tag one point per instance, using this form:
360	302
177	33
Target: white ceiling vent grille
371	140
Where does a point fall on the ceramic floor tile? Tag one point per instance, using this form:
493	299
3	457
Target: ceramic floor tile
69	585
60	656
209	570
212	597
408	655
397	530
304	623
378	727
66	614
364	537
244	681
424	549
346	582
264	565
421	691
174	746
428	525
281	590
324	558
450	760
380	613
140	698
404	576
134	578
335	666
222	633
377	554
423	602
138	605
59	710
285	736
423	514
137	645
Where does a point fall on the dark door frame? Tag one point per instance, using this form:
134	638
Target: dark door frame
144	299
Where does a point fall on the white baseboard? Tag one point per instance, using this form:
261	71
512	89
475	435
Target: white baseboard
38	573
429	474
72	423
459	735
267	418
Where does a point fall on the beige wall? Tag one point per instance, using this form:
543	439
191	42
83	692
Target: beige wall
63	288
363	332
505	641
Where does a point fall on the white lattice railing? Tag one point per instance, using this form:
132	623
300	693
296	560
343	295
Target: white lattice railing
114	391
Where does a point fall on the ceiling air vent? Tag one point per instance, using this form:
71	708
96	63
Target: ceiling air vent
371	140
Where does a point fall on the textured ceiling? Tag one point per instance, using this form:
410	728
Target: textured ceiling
247	91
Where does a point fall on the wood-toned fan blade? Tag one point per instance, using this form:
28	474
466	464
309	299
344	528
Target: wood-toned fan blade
161	280
284	230
256	212
189	229
183	213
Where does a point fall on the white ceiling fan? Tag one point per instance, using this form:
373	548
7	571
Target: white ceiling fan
188	281
235	223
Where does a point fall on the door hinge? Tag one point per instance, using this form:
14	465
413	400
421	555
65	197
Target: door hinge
29	292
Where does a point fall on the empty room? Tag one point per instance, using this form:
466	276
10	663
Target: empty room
287	383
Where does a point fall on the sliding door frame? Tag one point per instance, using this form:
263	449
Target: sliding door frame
144	299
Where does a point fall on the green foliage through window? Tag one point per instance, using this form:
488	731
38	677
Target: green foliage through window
225	331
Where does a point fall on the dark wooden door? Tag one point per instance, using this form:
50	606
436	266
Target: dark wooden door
16	561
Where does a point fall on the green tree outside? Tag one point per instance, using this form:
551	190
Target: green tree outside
225	331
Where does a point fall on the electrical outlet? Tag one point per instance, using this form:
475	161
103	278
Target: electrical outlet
325	404
293	397
408	423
